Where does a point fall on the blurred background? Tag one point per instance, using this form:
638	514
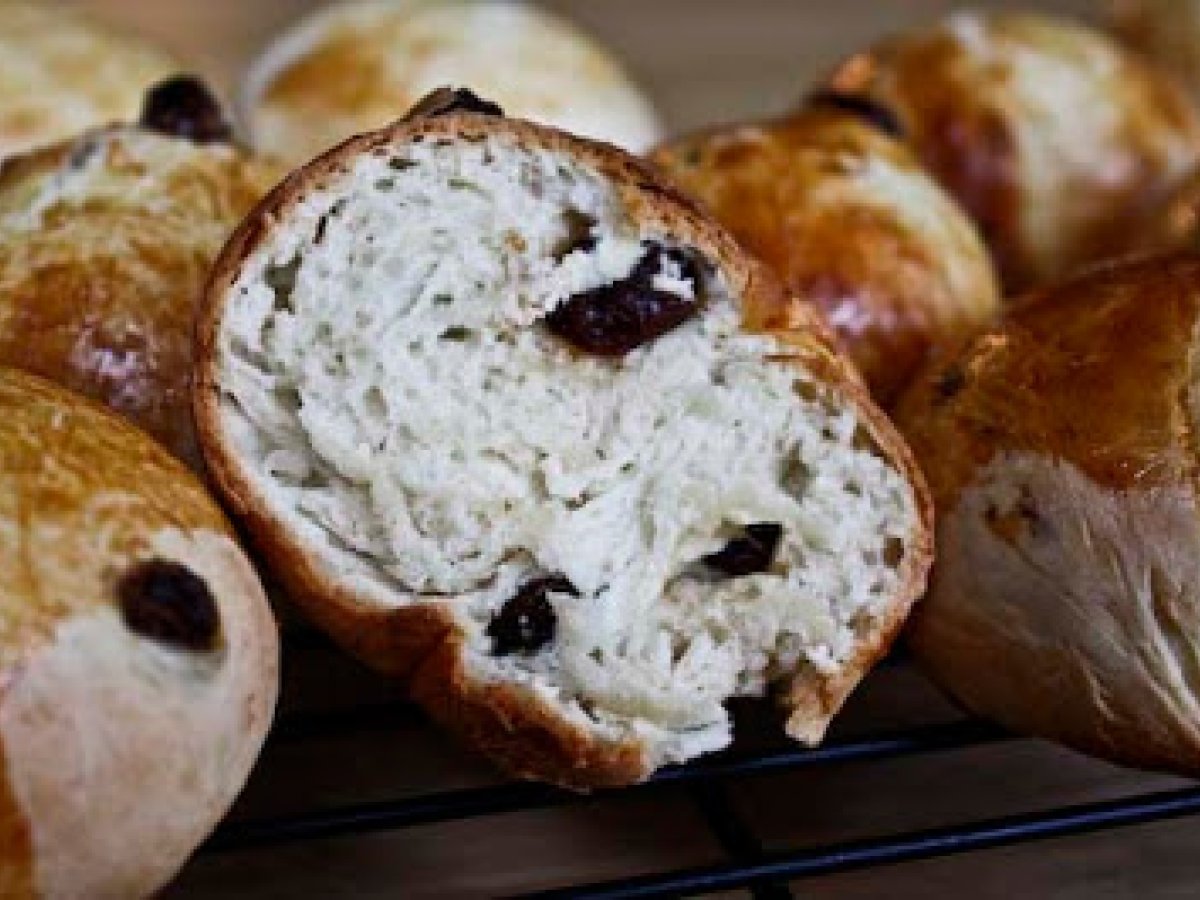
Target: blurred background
702	61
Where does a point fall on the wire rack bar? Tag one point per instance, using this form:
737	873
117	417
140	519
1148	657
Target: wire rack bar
1073	820
460	804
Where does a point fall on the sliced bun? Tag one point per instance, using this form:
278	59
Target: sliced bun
355	66
107	241
512	420
1062	455
138	657
62	72
1053	137
845	215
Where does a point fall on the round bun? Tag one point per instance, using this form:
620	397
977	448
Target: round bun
107	242
846	217
139	658
61	73
1166	31
1062	456
356	66
559	454
1053	137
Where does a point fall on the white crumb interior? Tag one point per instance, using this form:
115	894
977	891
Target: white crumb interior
407	412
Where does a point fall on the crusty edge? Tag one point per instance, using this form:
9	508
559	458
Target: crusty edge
422	644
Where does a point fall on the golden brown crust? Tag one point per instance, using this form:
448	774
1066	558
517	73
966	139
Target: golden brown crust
844	215
107	241
1061	453
422	642
16	842
1052	137
85	500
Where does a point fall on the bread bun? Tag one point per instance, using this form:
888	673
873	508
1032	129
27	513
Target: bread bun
107	242
62	72
138	657
1061	452
515	422
846	217
358	65
1054	138
1166	31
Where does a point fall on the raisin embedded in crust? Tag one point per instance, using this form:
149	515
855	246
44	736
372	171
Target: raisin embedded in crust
870	111
753	552
526	622
168	602
613	319
183	107
445	100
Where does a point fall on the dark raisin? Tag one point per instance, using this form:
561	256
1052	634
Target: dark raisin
616	318
753	552
445	100
168	602
526	623
870	111
949	384
183	107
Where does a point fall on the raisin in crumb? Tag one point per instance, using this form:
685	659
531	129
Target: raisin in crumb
183	107
168	602
949	384
445	100
746	555
874	113
613	319
526	623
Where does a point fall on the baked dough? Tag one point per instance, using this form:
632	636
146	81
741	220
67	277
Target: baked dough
62	72
138	656
105	243
355	66
515	422
1061	450
1052	136
844	214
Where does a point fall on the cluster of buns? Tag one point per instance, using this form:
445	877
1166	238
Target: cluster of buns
577	446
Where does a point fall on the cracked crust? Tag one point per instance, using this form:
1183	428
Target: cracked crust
421	643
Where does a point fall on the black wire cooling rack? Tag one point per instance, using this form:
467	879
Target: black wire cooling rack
707	783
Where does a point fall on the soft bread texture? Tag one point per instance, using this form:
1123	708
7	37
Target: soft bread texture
1062	456
120	751
105	244
379	398
356	66
1052	136
843	213
62	72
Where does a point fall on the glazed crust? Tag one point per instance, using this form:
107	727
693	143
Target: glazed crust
845	216
106	243
422	642
1062	456
1054	139
88	809
356	66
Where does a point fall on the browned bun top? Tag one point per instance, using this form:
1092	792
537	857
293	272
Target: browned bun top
1052	136
138	655
107	241
842	212
1094	371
